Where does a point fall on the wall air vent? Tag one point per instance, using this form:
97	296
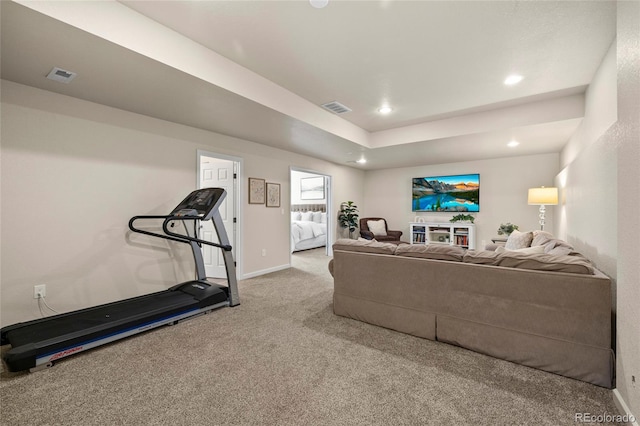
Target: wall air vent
63	76
336	107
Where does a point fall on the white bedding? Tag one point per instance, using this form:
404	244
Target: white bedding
307	234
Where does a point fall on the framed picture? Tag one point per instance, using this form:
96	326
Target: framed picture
312	188
273	194
256	191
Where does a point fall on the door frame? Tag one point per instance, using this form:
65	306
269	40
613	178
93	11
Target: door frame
235	237
329	206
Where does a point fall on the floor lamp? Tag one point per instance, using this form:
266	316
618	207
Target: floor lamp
543	197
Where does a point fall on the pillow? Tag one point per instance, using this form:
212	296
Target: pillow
543	238
526	250
323	217
367	246
317	217
518	240
431	251
377	227
546	262
296	215
307	216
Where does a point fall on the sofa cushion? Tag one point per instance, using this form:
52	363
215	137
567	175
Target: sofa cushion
545	262
558	243
518	240
527	250
378	227
366	246
483	257
560	251
431	251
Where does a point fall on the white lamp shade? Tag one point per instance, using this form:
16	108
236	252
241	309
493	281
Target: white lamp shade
543	196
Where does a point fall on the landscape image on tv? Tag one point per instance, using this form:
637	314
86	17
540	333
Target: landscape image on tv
457	193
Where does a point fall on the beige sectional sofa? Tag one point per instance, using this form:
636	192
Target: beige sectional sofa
546	311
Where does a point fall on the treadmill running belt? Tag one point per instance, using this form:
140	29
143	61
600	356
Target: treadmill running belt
166	302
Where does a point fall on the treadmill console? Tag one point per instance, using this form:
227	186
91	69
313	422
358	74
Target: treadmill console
201	202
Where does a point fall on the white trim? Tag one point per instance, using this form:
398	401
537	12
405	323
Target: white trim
622	407
266	271
238	161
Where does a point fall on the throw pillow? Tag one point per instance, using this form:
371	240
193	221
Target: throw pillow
542	238
317	217
377	227
307	216
296	215
518	240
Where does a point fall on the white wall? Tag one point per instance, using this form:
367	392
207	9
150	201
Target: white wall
588	182
74	172
600	184
504	184
627	134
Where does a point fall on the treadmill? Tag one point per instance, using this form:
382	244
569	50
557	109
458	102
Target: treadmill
37	344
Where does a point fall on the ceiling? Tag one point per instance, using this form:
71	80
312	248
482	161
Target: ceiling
258	70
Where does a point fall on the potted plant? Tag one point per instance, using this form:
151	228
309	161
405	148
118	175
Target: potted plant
348	216
507	228
462	218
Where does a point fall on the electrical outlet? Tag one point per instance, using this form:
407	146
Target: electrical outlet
39	291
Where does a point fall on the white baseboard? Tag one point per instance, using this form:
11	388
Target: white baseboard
265	271
622	407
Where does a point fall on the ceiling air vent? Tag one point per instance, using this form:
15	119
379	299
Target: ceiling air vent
63	76
336	107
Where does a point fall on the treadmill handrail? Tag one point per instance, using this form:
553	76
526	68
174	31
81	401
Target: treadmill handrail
172	236
153	234
187	237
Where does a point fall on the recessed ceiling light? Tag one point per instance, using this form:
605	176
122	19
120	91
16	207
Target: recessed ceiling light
361	161
513	144
385	109
319	4
513	79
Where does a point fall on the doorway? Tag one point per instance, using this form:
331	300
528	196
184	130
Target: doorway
221	171
310	202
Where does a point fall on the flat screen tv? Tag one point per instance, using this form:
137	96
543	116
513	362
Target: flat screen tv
456	193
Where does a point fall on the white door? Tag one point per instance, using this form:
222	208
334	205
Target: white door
217	173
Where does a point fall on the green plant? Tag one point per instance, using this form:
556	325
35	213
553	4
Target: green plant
348	216
507	228
462	218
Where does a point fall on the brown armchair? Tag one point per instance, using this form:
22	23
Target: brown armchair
365	232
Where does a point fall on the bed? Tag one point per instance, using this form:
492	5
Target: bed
308	226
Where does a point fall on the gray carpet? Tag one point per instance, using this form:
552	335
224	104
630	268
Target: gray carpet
283	358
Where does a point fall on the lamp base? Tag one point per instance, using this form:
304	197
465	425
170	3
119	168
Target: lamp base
541	213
